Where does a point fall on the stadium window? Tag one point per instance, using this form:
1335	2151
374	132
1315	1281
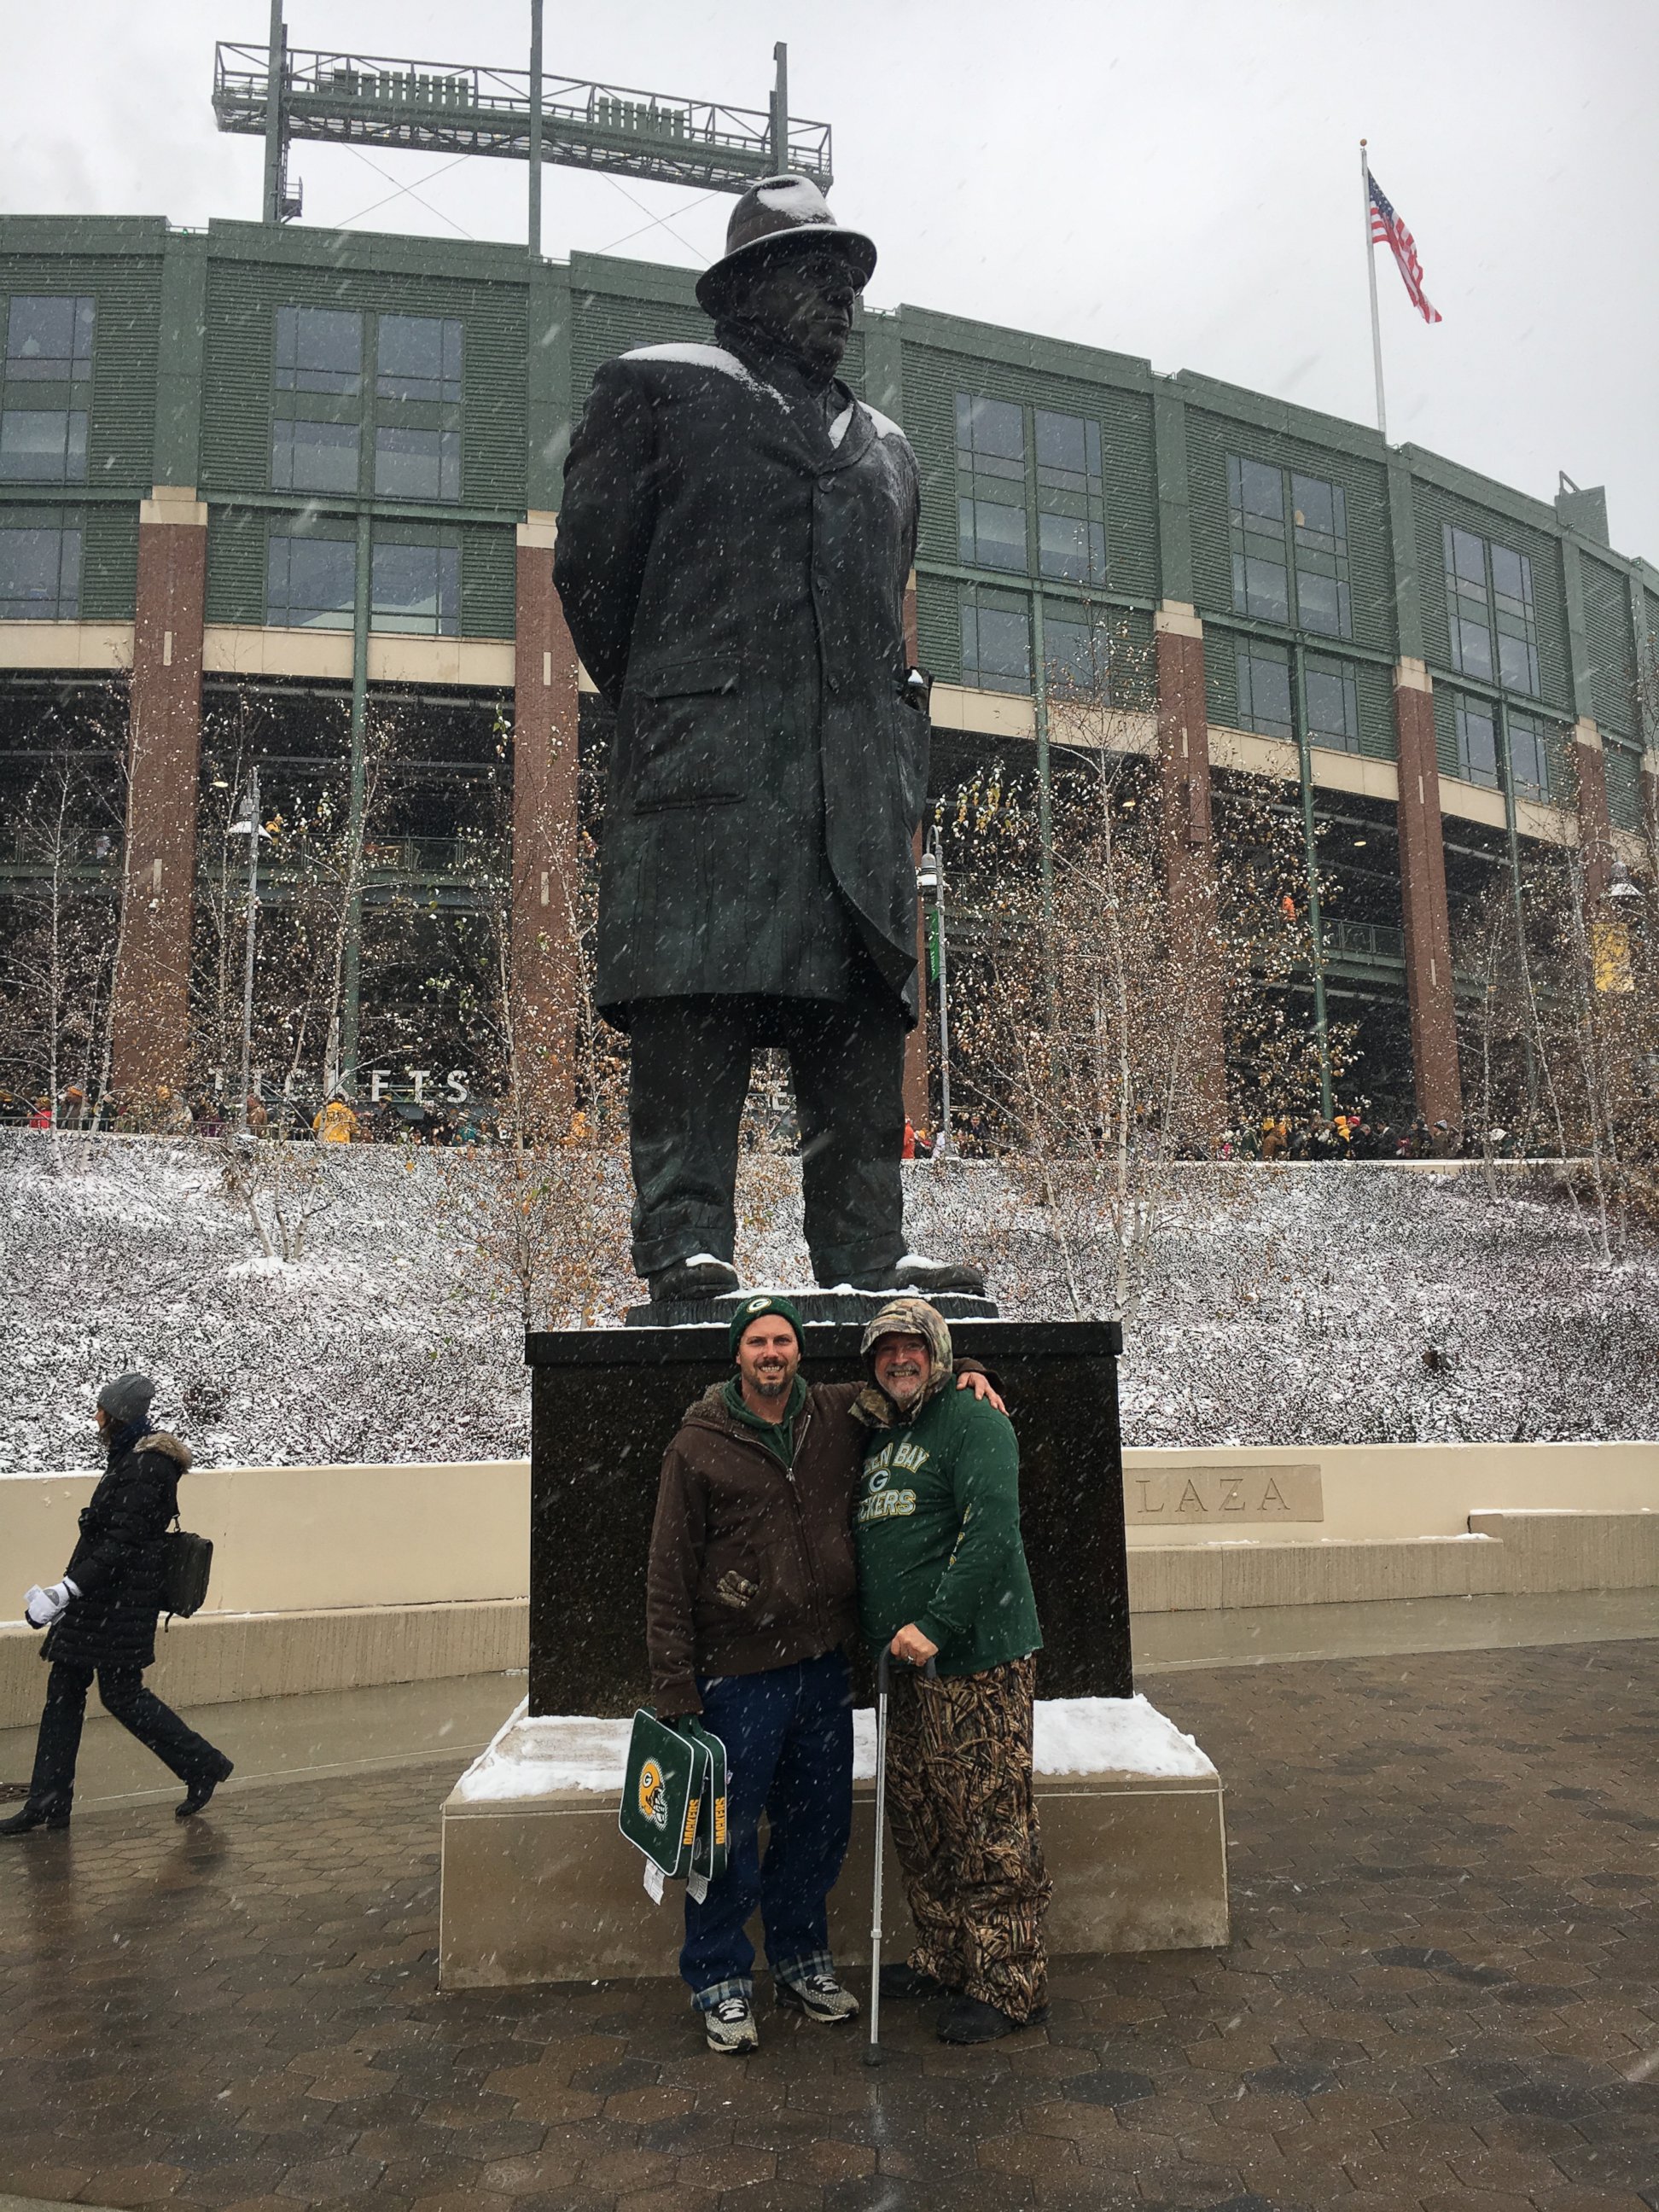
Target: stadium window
1256	500
1477	744
415	588
418	357
1264	689
314	456
43	445
1284	528
1333	697
991	483
49	340
319	350
1489	595
1077	658
40	572
1071	498
310	582
1517	621
996	645
1529	758
418	464
1319	517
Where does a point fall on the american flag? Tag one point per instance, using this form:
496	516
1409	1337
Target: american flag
1388	228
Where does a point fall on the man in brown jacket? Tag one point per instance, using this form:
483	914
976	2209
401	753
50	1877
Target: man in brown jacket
750	1596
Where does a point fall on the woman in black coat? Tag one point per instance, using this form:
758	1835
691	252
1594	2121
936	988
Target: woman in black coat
101	1618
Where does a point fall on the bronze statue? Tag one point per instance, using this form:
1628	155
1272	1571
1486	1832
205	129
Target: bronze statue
732	552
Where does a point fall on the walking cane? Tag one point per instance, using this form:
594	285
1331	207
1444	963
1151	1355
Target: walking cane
873	2055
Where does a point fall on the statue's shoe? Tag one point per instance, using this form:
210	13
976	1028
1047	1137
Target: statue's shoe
915	1272
701	1276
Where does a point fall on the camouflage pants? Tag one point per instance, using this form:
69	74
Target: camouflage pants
963	1820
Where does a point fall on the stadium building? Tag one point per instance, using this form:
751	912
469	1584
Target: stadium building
258	483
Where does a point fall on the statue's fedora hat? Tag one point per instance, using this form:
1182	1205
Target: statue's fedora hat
780	215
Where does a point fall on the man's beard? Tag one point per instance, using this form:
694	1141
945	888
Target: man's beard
771	1383
904	1386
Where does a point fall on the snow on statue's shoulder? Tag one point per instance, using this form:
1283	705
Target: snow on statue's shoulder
886	426
694	356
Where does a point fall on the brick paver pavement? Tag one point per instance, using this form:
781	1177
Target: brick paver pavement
1442	1992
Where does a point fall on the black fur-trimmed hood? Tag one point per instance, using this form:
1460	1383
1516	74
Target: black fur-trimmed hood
168	1446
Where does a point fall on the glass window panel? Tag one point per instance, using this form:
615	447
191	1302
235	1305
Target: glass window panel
1067	452
1333	695
1512	576
1517	662
1068	546
50	338
991	435
419	357
427	465
1261	492
43	445
319	349
310	583
1264	691
314	457
993	536
1477	746
1076	656
1468	557
1323	603
996	648
1319	514
1530	765
1315	503
415	588
39	573
1266	585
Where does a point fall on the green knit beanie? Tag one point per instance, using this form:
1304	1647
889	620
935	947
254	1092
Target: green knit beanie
752	1308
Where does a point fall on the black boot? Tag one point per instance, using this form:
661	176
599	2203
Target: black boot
916	1273
970	2020
905	1980
201	1791
33	1816
686	1281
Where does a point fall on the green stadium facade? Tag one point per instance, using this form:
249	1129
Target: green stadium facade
252	462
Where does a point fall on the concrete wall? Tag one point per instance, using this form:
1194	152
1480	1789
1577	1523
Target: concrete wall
329	1578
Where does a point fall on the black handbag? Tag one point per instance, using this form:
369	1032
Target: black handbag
186	1562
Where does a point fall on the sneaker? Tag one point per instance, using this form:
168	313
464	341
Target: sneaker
701	1276
730	2026
970	2020
820	1996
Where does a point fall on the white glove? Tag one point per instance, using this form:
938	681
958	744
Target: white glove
42	1607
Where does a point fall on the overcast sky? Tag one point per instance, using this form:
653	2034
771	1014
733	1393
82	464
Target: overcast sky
1177	180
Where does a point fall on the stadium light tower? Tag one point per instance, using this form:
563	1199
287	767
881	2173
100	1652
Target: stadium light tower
280	93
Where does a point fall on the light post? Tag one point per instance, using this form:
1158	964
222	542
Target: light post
249	827
930	877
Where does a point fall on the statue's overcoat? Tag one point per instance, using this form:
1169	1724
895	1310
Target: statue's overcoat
732	556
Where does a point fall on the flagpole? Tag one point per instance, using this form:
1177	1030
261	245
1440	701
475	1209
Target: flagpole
1371	274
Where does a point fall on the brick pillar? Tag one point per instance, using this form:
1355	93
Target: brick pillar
545	954
915	1044
1184	759
1423	899
149	1012
1594	823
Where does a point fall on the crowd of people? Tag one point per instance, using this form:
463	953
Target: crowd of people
166	1112
1354	1134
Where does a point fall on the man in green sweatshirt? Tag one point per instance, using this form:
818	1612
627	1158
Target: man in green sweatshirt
942	1576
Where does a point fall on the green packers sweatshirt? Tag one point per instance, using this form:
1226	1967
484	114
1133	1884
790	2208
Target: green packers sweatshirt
937	1529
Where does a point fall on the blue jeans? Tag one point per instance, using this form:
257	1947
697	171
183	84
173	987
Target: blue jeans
789	1738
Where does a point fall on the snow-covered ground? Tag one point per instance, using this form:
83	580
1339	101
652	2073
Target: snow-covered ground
1334	1305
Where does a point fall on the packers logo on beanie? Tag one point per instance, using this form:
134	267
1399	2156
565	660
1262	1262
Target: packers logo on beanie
750	1309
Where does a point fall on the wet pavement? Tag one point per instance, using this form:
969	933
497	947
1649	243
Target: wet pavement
1442	1992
